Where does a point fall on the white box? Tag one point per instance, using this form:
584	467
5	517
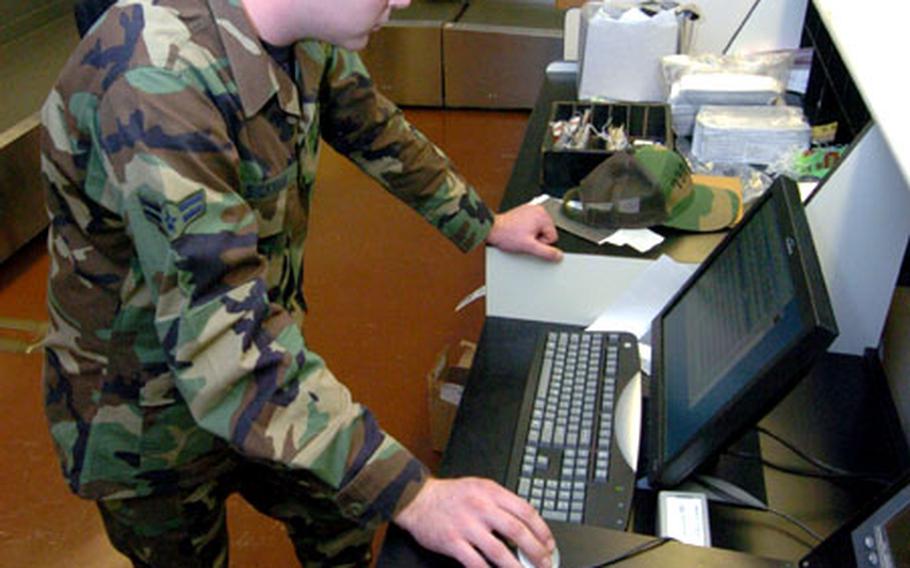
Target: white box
683	515
620	49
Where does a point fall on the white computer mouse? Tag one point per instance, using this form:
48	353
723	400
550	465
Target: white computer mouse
525	563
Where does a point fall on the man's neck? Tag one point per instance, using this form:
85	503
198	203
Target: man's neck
278	22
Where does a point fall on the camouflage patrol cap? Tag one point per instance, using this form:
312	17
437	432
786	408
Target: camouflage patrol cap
650	186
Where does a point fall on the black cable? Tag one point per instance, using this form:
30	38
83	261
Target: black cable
834	470
792	447
787	517
741	26
826	475
748	501
632	552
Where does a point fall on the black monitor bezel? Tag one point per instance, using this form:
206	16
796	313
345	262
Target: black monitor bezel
776	378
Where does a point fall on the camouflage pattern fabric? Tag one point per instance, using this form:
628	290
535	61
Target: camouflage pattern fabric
187	529
653	186
691	206
179	161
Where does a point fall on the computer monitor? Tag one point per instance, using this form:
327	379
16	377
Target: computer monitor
737	337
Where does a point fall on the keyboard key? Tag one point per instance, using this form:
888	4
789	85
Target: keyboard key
559	436
547	433
551	515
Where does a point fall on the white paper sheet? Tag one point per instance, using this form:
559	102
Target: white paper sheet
641	240
574	291
644	297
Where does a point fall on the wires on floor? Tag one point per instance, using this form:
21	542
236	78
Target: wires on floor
736	496
635	551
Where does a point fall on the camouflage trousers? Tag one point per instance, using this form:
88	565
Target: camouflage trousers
188	528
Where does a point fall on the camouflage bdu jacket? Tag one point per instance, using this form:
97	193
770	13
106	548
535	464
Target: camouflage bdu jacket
179	161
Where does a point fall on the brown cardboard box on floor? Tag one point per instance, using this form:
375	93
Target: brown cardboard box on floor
566	4
446	382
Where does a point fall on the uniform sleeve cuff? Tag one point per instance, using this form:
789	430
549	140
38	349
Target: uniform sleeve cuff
472	224
384	487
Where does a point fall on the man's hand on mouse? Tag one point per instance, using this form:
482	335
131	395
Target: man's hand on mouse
528	229
458	518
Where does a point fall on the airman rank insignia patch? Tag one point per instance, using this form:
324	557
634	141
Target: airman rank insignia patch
173	218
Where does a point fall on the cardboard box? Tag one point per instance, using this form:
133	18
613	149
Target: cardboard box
566	4
445	383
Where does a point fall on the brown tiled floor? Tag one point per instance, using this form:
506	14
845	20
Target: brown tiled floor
382	286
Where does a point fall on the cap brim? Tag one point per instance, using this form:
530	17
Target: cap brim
711	208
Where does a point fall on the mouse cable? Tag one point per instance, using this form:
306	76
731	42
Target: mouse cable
819	463
642	548
738	497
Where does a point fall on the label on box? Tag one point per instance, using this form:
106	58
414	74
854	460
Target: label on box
451	393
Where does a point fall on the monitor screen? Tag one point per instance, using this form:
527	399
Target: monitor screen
738	335
897	536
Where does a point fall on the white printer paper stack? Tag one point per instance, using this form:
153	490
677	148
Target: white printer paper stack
749	134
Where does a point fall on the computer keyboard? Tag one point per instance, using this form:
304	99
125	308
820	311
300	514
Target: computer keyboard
561	459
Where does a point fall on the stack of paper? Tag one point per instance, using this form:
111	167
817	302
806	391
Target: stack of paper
749	134
694	90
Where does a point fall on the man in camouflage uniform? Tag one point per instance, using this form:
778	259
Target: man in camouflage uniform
179	159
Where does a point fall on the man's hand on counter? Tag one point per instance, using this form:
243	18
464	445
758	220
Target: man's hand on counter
528	230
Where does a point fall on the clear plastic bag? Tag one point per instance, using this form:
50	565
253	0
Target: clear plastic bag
754	180
749	134
710	79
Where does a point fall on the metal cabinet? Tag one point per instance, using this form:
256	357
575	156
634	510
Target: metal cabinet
30	59
496	53
405	57
483	54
